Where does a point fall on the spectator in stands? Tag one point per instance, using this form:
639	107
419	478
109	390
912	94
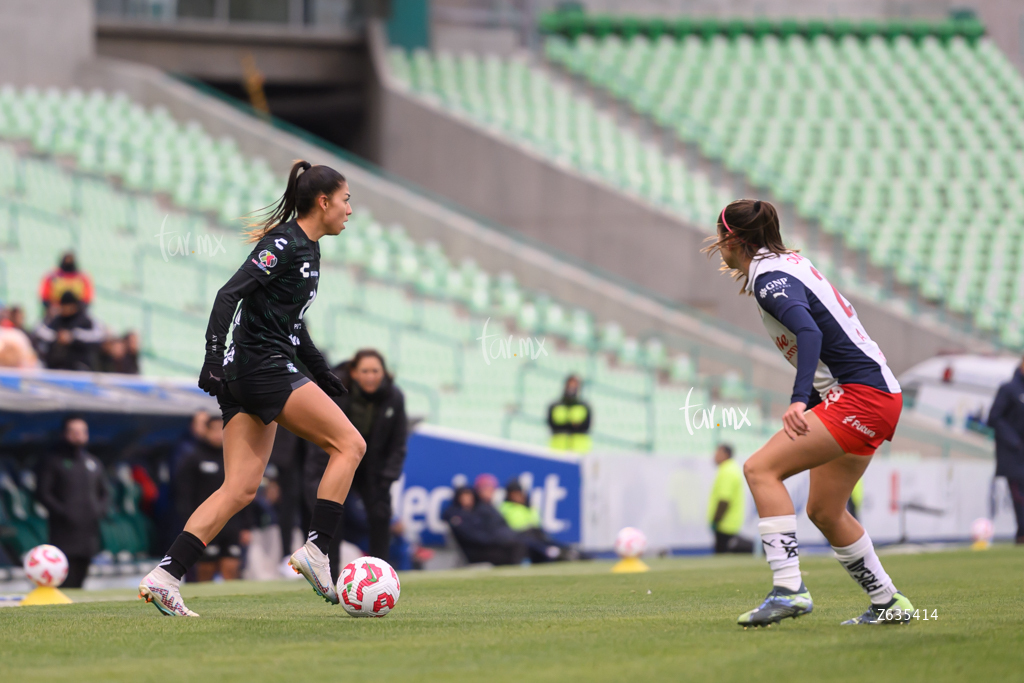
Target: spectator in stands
569	419
727	506
66	278
72	487
376	408
525	521
70	339
200	473
480	530
1006	417
16	348
116	355
14	317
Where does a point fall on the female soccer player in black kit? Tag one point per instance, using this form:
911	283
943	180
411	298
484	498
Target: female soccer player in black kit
258	386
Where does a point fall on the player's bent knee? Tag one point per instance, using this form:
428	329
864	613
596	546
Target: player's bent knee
239	496
346	446
823	516
754	470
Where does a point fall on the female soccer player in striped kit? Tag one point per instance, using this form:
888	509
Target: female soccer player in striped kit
845	403
258	386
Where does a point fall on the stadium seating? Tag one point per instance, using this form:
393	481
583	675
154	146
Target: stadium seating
529	106
520	100
905	141
136	194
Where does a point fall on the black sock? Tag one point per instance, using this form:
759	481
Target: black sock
326	516
183	553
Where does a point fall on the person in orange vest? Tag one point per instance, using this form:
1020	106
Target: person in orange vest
569	419
65	278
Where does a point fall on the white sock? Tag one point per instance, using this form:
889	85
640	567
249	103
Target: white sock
861	562
778	536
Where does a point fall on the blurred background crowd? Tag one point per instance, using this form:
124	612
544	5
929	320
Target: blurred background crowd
67	337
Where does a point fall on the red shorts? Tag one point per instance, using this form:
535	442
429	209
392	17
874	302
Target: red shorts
859	417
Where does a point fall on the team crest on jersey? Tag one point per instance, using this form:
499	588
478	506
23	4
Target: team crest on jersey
291	368
267	259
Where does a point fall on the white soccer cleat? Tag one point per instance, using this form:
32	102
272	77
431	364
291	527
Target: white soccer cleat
162	589
316	568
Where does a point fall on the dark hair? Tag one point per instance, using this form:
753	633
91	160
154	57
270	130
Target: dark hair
68	419
305	183
368	353
459	492
747	225
727	448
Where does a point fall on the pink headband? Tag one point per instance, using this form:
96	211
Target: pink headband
723	221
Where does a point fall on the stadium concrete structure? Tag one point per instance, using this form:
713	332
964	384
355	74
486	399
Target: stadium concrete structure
136	157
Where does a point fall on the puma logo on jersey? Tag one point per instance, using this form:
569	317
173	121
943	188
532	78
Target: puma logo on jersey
832	396
776	295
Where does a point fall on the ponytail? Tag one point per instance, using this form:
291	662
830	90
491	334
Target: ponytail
305	183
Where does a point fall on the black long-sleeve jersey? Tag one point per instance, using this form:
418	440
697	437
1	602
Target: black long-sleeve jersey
276	285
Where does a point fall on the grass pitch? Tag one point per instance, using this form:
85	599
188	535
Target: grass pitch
555	623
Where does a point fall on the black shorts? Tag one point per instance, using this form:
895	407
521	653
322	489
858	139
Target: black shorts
262	393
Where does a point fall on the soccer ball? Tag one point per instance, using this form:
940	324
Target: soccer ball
368	587
981	529
46	565
630	543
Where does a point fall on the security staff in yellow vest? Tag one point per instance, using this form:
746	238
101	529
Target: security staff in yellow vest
727	505
569	420
856	499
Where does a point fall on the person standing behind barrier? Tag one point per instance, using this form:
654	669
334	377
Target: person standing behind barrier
1006	417
286	457
569	419
73	489
65	278
200	473
376	408
727	506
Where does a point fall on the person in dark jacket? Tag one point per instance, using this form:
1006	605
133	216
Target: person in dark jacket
1006	417
118	355
73	488
70	339
200	473
286	458
376	408
481	531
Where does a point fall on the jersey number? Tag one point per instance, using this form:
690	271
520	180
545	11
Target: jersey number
312	298
848	310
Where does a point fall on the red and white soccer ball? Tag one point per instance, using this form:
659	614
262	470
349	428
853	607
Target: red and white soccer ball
46	565
630	542
368	587
981	529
